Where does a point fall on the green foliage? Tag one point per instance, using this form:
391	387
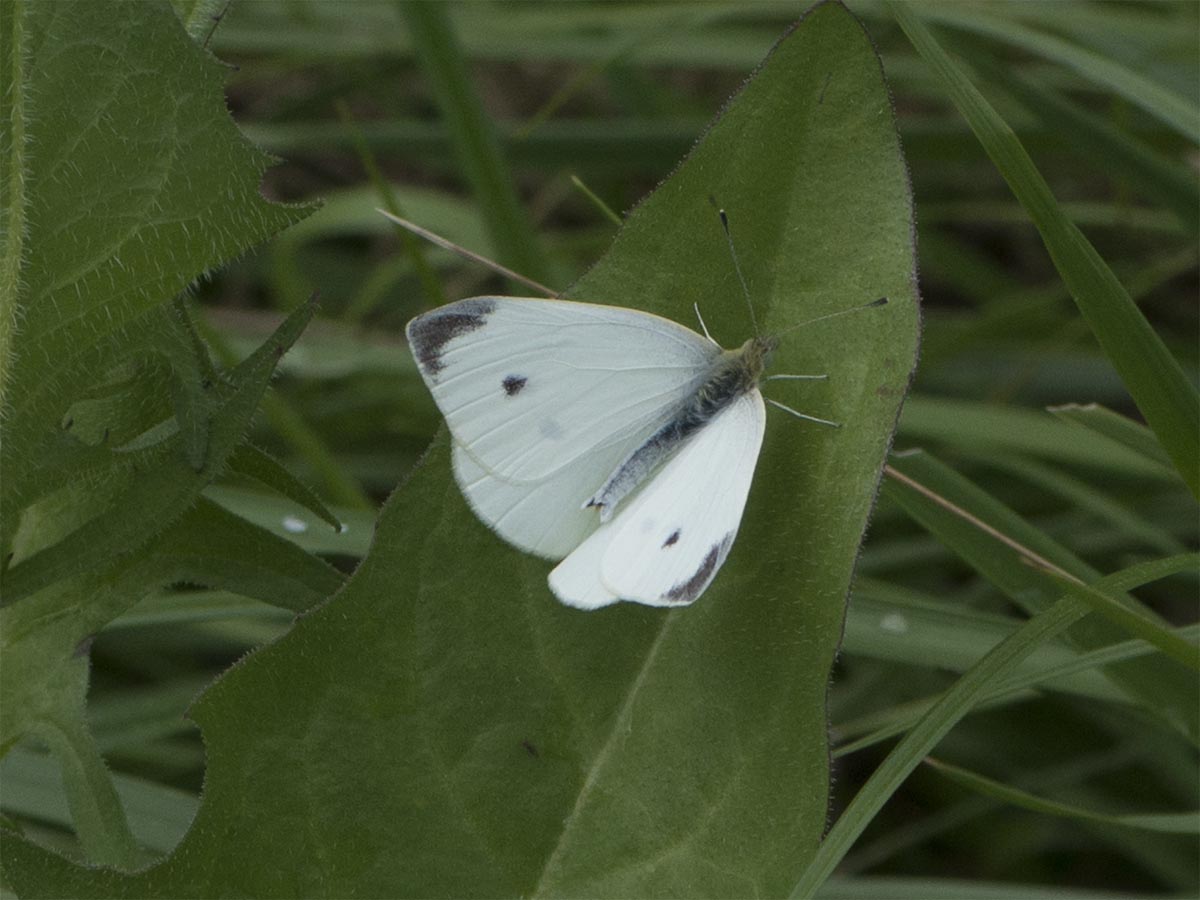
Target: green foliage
1024	606
1171	823
956	702
474	141
125	181
502	706
1153	376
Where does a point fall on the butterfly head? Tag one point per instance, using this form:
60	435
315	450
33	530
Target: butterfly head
755	357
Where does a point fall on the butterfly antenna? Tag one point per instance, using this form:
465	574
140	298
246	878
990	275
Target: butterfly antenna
804	416
736	265
467	254
703	327
882	301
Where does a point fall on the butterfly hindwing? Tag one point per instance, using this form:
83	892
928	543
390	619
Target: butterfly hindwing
666	542
546	517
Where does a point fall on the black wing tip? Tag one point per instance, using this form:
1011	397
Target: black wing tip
429	333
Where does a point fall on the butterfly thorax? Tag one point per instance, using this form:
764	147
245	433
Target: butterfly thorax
733	374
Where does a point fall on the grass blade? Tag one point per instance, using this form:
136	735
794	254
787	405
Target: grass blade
1097	139
1168	823
956	703
430	284
474	140
971	426
1080	495
1018	558
1116	427
1158	101
1153	377
1138	624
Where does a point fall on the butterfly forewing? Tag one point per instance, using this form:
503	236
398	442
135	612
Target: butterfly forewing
544	399
532	387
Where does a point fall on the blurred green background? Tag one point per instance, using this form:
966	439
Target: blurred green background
590	105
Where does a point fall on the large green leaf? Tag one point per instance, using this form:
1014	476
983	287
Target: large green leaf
443	727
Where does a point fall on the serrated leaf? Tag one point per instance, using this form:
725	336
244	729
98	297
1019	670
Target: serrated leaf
45	663
158	815
193	376
200	17
219	549
123	181
445	728
126	180
158	495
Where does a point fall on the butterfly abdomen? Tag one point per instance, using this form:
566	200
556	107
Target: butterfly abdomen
734	374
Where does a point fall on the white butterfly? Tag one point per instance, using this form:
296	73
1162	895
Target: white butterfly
617	439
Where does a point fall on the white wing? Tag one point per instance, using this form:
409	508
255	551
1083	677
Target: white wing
665	544
545	517
531	388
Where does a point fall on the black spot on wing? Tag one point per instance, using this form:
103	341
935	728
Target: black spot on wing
429	334
513	383
687	591
671	540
